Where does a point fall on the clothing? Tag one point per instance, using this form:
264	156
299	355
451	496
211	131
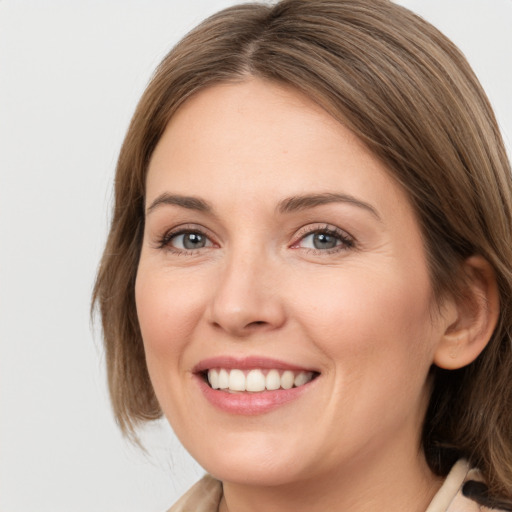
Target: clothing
206	494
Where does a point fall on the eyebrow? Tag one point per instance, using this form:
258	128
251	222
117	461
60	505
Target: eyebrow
303	202
288	205
189	202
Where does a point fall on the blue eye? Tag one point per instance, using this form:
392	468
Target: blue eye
326	239
321	241
188	240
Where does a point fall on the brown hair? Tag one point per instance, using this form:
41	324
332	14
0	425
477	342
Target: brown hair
408	93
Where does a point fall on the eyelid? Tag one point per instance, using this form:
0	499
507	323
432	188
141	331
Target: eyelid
164	241
347	240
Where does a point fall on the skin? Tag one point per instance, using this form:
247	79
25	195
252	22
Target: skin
361	314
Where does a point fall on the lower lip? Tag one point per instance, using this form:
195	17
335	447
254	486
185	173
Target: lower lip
251	404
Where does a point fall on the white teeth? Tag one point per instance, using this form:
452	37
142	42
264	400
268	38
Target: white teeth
255	380
236	380
287	379
301	379
213	377
223	379
273	380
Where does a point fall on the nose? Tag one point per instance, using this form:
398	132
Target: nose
247	297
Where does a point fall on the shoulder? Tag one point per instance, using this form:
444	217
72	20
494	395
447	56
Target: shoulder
464	490
204	496
472	494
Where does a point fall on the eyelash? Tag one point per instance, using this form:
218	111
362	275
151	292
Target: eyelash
346	241
165	241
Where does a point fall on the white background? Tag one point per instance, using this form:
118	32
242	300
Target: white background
70	74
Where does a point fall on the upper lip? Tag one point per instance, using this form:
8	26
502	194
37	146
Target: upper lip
247	363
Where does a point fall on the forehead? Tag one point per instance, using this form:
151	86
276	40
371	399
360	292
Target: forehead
263	141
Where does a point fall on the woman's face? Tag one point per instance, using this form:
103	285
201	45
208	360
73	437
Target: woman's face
279	252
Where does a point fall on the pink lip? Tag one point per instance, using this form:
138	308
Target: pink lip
246	363
246	403
250	404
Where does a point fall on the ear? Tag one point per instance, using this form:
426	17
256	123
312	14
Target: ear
473	317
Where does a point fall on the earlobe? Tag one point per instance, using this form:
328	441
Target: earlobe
474	317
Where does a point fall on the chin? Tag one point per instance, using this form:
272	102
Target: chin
256	460
252	473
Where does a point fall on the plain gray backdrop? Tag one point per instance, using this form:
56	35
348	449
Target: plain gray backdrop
71	72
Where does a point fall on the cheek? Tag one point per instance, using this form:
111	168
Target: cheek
370	316
377	334
168	310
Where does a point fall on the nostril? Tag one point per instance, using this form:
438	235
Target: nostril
255	324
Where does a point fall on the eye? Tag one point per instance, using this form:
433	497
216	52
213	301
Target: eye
320	241
189	240
326	239
185	241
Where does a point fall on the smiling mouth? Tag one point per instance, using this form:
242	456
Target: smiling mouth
234	380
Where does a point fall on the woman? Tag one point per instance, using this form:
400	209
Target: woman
308	268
